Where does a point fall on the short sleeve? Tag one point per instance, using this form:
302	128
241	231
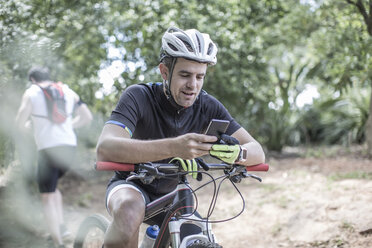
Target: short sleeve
127	112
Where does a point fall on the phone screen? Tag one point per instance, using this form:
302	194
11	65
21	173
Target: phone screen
217	127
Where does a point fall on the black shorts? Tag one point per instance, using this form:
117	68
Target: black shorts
53	163
186	229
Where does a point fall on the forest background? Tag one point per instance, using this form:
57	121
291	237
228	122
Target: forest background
272	56
296	73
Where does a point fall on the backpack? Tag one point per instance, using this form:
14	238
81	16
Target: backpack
55	101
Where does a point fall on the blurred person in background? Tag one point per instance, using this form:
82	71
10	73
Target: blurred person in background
56	143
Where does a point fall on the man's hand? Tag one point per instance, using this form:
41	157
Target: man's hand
188	165
28	126
227	153
227	139
24	112
191	145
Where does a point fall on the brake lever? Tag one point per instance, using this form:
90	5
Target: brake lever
245	174
147	174
145	179
148	167
201	162
152	170
136	176
238	178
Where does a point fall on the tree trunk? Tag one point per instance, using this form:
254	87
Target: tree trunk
368	21
369	128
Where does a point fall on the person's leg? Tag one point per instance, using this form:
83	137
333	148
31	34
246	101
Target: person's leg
65	233
49	172
127	207
52	216
63	158
59	205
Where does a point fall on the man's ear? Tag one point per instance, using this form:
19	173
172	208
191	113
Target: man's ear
163	71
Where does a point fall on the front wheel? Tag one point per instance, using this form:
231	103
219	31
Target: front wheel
91	232
204	244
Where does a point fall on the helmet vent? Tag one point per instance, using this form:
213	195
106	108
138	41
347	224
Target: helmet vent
210	49
172	47
187	44
189	47
197	37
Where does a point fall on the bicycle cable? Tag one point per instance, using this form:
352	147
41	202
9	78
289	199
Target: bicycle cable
215	194
194	194
213	202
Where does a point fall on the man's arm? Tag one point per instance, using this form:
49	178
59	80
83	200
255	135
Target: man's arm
115	144
24	113
255	153
82	117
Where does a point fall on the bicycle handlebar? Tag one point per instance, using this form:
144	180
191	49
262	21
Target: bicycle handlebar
115	166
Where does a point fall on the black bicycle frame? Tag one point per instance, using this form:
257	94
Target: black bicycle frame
178	202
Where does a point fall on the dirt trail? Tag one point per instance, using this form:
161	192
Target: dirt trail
302	202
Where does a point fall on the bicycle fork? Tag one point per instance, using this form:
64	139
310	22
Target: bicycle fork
184	209
175	230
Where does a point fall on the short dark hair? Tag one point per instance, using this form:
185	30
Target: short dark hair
39	74
167	61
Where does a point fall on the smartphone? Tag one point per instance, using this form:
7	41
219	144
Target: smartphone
217	127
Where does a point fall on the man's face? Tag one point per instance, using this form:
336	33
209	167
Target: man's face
187	81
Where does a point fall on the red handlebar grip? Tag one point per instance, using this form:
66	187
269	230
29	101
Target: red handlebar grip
258	167
113	166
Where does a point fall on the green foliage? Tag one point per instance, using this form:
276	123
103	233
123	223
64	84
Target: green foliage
64	35
337	120
276	129
268	52
342	46
6	150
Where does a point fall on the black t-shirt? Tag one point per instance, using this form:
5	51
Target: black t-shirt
145	112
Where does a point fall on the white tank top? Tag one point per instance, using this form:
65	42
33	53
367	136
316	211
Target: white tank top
48	134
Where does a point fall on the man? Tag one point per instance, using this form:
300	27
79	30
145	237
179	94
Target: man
156	122
55	143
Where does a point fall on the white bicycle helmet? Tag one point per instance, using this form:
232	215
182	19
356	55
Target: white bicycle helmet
189	44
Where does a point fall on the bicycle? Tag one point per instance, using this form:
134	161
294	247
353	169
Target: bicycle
179	205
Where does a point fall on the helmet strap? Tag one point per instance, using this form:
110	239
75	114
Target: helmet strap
167	84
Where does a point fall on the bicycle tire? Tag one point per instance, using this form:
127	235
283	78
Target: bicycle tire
91	224
204	244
